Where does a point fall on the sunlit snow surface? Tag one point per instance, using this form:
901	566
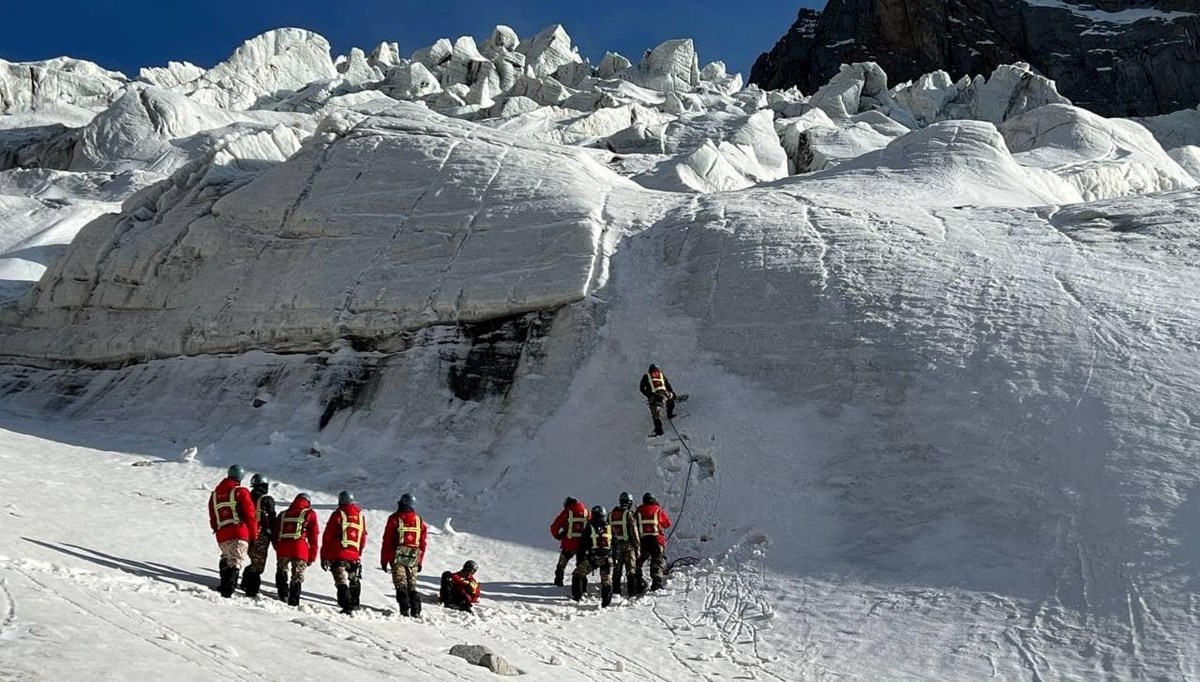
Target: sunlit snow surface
940	341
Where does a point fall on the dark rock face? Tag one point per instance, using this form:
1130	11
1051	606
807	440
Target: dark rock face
1115	57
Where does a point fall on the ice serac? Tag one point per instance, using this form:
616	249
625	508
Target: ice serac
1069	41
149	129
953	163
1103	158
710	152
60	81
384	56
815	141
265	69
1012	90
410	81
669	67
172	75
548	50
388	224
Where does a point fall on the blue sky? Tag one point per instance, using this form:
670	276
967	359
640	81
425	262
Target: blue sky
127	34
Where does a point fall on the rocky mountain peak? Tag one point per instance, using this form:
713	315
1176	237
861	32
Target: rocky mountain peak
1115	57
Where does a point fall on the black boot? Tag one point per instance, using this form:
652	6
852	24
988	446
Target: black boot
636	586
656	583
355	594
558	577
578	587
228	580
402	600
414	603
343	598
281	584
294	594
606	592
616	584
251	581
658	431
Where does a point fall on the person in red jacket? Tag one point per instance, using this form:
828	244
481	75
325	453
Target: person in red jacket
567	528
652	520
296	533
341	550
234	521
404	553
460	590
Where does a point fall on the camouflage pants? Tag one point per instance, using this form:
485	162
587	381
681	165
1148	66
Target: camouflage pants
625	560
404	577
295	566
233	552
587	564
652	552
346	572
258	553
564	558
660	400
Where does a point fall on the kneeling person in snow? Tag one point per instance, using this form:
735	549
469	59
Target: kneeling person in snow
595	552
341	550
296	533
404	553
460	590
233	520
260	486
659	394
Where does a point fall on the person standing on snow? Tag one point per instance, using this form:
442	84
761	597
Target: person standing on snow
595	552
341	550
233	520
659	394
652	521
404	553
567	528
460	590
623	523
296	533
260	486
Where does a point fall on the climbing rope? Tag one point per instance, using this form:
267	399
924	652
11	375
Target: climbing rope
687	484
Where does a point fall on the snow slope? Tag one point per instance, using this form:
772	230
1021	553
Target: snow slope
941	424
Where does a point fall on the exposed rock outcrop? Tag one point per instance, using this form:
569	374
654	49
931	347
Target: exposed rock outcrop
1069	41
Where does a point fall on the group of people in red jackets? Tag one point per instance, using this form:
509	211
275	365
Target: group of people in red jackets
243	528
616	544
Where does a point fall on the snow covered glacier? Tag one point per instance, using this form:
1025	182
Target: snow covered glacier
940	339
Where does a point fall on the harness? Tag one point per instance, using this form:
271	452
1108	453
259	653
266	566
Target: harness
299	520
601	539
619	523
234	518
648	526
575	525
352	531
658	381
415	529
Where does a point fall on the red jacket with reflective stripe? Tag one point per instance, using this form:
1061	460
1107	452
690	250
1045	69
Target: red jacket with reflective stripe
304	547
646	513
392	539
236	522
569	525
467	587
347	544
